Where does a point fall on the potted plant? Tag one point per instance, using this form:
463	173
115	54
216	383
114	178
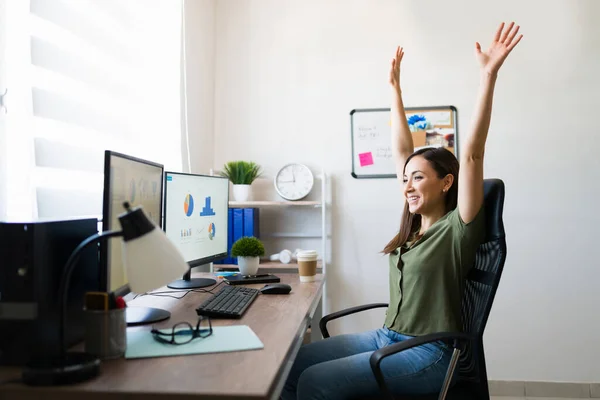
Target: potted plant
248	249
241	174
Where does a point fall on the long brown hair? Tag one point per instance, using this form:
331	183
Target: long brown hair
444	163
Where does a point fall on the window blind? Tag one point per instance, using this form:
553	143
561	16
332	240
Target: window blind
98	75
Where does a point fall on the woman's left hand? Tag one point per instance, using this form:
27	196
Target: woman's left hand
504	41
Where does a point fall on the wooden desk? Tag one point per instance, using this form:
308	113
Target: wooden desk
279	321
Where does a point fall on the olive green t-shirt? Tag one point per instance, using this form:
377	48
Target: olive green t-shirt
427	278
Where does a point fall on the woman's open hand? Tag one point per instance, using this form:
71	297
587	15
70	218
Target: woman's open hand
395	67
504	41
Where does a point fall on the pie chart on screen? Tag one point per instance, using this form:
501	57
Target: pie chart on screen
188	205
211	231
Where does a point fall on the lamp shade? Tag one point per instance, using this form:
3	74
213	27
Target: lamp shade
151	260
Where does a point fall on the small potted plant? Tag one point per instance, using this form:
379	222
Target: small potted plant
241	174
248	249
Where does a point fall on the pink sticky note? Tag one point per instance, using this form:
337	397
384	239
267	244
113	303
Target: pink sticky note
365	159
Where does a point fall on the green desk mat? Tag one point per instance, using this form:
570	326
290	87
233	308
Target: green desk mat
141	344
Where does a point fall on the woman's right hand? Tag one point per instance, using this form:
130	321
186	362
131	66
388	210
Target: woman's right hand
395	68
402	140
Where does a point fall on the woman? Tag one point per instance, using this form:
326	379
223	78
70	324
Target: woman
441	227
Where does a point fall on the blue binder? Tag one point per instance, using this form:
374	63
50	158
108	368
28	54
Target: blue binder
229	259
251	222
242	222
238	228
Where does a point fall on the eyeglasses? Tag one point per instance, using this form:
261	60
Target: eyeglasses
183	332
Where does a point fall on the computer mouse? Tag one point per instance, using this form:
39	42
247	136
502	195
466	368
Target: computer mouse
276	288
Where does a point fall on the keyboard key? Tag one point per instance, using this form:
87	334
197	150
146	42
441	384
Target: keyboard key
228	302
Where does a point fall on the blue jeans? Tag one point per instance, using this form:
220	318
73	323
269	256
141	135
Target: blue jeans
338	367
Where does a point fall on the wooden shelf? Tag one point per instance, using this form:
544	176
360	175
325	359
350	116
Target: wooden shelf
264	264
251	204
276	235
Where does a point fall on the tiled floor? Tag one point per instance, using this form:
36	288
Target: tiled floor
528	398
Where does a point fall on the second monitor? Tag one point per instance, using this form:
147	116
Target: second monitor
140	182
195	219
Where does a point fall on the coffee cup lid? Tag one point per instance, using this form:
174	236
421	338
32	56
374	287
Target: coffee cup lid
307	253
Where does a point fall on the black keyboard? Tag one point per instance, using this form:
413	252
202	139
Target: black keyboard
228	302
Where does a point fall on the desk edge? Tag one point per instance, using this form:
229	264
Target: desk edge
284	370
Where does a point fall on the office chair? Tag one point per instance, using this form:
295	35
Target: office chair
480	290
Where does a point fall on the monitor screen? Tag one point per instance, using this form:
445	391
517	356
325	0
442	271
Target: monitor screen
196	208
139	182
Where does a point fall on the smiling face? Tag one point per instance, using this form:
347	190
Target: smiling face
424	190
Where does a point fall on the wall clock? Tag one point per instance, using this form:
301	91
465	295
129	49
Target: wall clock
294	181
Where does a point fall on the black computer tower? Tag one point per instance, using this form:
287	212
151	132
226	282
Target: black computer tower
32	259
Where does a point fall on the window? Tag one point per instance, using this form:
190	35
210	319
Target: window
84	76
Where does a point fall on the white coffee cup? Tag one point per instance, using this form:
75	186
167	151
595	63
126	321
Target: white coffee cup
307	265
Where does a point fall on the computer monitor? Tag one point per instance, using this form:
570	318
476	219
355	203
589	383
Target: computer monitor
139	182
196	210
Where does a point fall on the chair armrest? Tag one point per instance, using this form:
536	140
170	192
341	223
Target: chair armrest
459	338
342	313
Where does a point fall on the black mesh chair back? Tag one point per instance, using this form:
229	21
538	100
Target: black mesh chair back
480	289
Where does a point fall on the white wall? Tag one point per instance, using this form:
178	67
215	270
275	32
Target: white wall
287	74
3	166
200	73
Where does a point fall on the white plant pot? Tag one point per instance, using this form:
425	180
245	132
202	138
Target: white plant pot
241	192
248	265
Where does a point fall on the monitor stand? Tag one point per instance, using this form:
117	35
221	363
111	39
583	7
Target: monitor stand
135	315
191	283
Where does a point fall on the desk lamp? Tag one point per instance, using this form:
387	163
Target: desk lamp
150	260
